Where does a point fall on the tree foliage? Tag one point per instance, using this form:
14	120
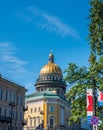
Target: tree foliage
79	78
96	41
76	95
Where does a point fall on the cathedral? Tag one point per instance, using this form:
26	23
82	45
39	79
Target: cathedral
48	108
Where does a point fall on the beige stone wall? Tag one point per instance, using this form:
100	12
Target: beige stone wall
57	114
11	105
51	108
33	114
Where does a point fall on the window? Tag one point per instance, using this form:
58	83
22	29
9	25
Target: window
58	91
0	111
1	93
17	116
14	98
45	77
8	127
39	121
38	109
13	115
18	99
10	97
21	101
34	109
31	110
6	96
9	113
20	128
20	116
34	122
27	120
5	112
51	121
48	77
12	127
30	122
51	108
16	128
4	127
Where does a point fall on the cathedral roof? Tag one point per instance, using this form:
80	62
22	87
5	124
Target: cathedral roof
43	95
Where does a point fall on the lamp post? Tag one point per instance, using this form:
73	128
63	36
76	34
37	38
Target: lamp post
94	100
94	96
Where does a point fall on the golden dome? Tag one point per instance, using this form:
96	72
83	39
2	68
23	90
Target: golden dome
51	67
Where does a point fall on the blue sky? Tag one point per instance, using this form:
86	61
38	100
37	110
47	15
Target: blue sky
30	29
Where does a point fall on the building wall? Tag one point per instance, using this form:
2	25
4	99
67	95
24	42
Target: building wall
33	115
60	114
11	105
50	108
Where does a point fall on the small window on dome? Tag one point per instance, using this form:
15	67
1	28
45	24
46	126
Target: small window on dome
48	77
45	77
58	91
37	90
59	78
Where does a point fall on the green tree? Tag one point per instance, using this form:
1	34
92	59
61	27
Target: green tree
96	41
96	46
79	78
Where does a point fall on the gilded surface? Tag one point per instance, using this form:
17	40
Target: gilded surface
50	68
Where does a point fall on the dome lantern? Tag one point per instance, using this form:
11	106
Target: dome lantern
51	58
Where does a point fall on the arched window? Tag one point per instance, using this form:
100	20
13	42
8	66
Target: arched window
34	122
51	121
30	122
39	121
45	77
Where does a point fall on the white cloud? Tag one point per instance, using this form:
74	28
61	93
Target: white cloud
47	22
10	62
14	67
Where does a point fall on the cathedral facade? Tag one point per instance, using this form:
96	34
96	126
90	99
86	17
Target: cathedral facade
48	108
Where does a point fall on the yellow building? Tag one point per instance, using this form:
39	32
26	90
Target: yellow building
12	105
47	107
